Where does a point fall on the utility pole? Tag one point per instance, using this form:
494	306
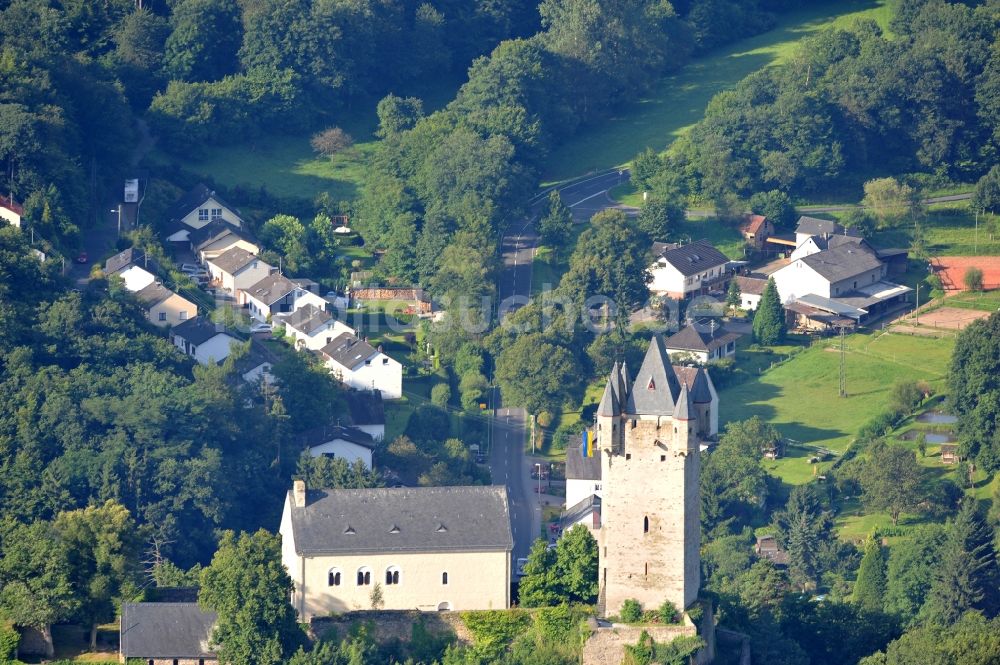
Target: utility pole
843	363
532	434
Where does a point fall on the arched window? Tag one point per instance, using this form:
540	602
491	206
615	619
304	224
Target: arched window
364	576
333	577
444	577
645	525
392	575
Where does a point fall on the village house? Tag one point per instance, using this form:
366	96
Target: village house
685	270
767	548
163	307
237	268
751	291
367	412
586	511
11	212
196	209
355	363
313	328
203	340
583	475
756	229
346	443
809	227
427	548
166	634
220	236
134	267
255	365
701	345
276	294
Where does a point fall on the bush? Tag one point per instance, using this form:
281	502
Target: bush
631	611
667	612
493	630
441	395
9	639
331	141
973	279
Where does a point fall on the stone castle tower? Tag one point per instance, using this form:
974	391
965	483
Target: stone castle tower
648	435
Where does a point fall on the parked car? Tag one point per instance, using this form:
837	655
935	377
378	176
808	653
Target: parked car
201	275
82	257
191	267
260	328
519	568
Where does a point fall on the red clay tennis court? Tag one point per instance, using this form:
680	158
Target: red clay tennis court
951	270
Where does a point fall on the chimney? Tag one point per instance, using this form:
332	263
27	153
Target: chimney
299	493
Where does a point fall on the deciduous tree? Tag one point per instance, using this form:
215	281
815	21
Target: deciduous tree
891	480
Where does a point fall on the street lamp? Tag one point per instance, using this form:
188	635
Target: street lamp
538	468
119	211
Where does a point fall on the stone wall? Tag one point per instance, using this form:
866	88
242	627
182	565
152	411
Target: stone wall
606	646
389	625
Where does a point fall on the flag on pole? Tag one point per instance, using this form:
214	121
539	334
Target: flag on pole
587	449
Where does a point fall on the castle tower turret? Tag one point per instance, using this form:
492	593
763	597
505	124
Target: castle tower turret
650	529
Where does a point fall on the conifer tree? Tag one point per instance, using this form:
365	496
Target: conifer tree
870	587
769	322
968	577
733	295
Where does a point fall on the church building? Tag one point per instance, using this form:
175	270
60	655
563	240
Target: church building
648	435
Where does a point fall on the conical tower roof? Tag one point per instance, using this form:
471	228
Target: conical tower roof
683	410
609	406
624	382
616	383
656	387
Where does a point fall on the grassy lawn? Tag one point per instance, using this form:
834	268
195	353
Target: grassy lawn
800	396
986	301
724	237
678	101
950	229
287	166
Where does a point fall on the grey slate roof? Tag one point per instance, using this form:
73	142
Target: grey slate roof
308	319
198	330
581	510
579	467
128	257
320	435
402	519
166	630
193	199
365	407
694	257
697	381
256	356
153	294
656	386
272	288
610	406
842	262
682	410
817	227
213	231
690	338
233	260
348	351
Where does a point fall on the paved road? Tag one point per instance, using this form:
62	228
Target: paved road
97	242
509	468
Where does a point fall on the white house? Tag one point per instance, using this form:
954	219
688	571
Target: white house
313	328
355	363
751	290
429	549
237	268
197	208
203	340
809	227
347	443
255	365
583	475
684	270
133	266
829	273
276	294
367	412
703	345
10	211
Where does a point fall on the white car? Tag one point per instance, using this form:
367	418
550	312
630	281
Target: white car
260	328
191	267
519	569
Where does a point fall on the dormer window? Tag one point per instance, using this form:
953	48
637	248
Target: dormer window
394	529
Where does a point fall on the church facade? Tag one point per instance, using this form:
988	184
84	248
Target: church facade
648	433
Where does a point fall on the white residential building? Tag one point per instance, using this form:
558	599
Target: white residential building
203	340
237	269
347	443
196	209
685	270
313	328
10	211
277	294
355	363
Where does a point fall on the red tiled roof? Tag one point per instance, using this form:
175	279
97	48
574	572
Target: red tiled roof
752	223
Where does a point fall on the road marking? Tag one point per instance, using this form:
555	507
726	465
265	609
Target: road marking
587	199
